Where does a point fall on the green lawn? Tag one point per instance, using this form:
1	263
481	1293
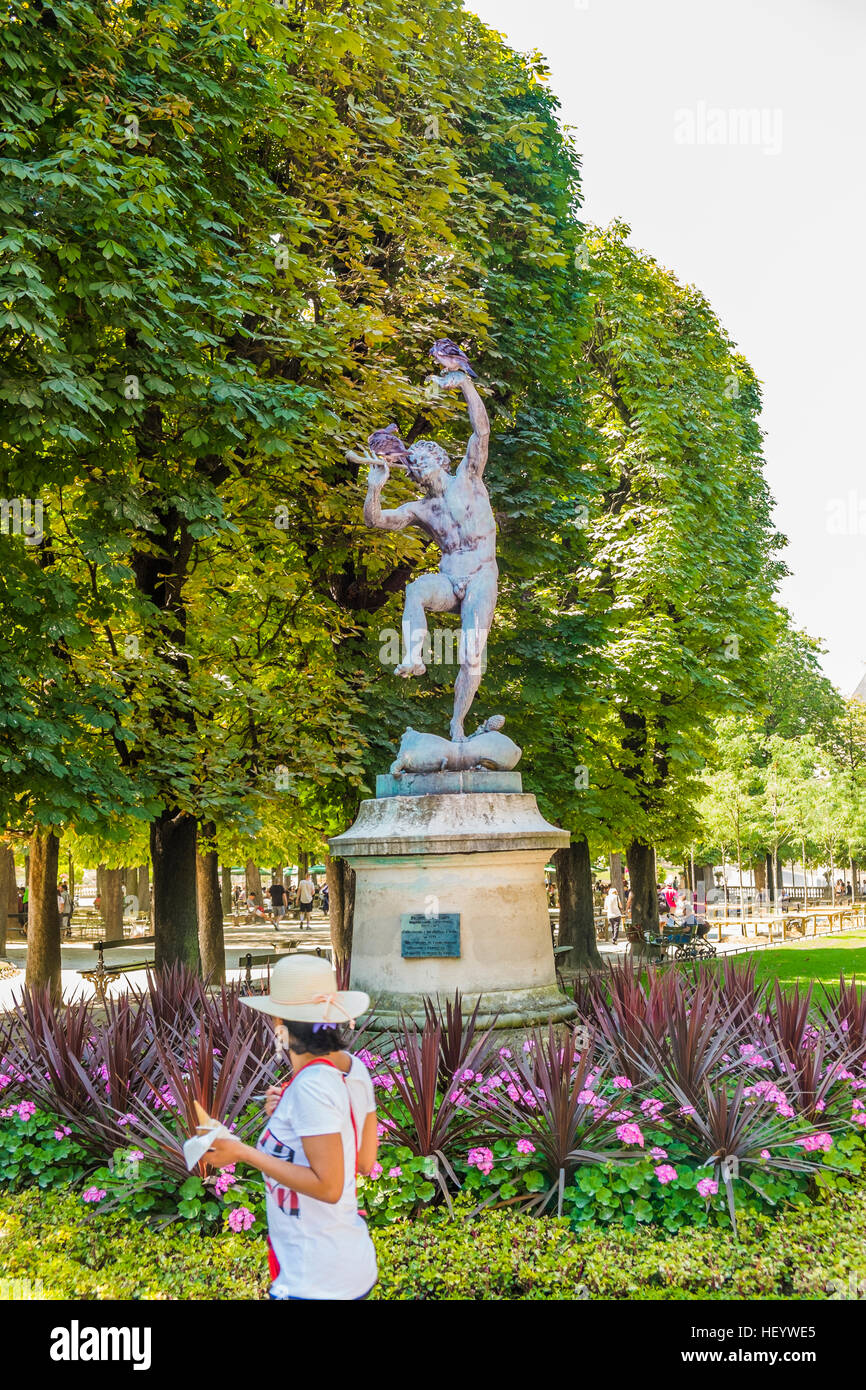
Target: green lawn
823	960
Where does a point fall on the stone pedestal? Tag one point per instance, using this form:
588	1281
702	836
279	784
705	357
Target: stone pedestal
478	853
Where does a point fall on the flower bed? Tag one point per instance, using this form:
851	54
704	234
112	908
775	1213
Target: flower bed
682	1102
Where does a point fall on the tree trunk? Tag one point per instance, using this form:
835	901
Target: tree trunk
8	894
341	920
254	881
576	908
175	916
211	941
142	890
226	889
833	877
642	881
43	923
616	876
303	864
770	872
112	902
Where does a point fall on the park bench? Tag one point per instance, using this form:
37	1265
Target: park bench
256	959
103	973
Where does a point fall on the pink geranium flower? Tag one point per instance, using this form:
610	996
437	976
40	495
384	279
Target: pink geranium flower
482	1159
708	1187
93	1194
240	1219
652	1107
666	1173
816	1142
630	1134
659	1153
525	1146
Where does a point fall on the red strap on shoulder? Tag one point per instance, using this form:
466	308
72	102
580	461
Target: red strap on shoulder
325	1062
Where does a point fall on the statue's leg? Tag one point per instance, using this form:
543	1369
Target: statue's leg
476	615
431	593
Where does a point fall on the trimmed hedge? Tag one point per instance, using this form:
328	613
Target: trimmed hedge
803	1254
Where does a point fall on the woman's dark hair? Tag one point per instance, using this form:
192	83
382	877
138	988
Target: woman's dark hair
317	1038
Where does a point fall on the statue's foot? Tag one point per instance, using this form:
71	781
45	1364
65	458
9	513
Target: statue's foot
410	668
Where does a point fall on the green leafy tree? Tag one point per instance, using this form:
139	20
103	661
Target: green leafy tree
683	562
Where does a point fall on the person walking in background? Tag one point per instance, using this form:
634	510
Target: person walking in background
613	912
64	908
306	893
326	898
277	894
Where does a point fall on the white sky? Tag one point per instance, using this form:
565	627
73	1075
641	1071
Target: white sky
775	240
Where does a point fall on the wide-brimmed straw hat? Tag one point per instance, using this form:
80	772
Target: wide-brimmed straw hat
304	989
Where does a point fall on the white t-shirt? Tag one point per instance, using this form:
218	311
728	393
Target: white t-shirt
611	905
306	890
324	1250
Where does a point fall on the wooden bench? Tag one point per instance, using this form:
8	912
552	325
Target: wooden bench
253	959
102	974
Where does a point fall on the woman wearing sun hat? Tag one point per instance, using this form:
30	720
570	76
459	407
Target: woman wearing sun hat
321	1131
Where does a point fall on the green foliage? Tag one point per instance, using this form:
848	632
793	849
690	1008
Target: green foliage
682	564
817	1253
88	1255
632	1195
38	1152
248	235
811	1254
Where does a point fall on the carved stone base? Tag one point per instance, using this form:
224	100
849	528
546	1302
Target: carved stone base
480	855
445	783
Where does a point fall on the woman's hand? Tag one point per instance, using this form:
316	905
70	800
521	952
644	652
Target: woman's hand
272	1099
222	1152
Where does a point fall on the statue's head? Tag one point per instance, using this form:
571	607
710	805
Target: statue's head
429	465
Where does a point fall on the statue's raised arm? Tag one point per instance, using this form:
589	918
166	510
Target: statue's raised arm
475	458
